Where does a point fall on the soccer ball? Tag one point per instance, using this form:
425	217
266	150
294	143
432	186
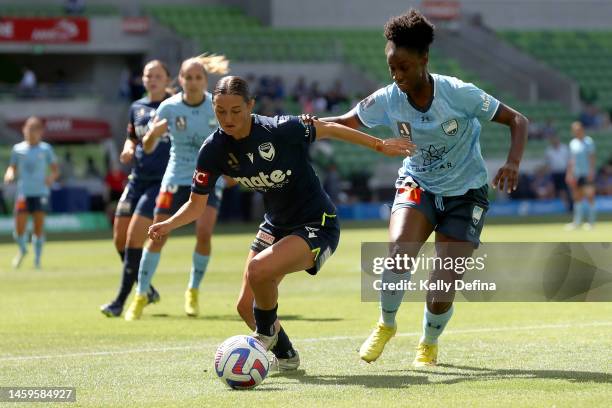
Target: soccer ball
241	362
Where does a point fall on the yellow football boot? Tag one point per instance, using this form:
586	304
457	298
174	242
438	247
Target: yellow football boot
134	312
191	302
426	355
374	345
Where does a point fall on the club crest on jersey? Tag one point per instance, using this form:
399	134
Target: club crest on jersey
450	127
477	214
404	130
181	122
266	151
367	102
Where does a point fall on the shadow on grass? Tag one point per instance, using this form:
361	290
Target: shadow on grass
455	374
461	373
365	380
237	318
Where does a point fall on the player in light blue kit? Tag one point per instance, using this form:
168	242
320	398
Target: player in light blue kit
188	118
29	165
442	187
580	177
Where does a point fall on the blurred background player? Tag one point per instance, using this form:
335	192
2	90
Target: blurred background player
134	213
29	165
557	158
580	177
188	117
272	158
444	186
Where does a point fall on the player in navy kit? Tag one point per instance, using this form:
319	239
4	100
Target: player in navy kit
443	186
300	230
29	165
187	118
134	213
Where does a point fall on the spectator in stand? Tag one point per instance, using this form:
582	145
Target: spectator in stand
335	95
91	170
535	130
28	83
331	185
548	129
67	169
557	157
300	89
542	184
604	179
590	117
251	80
277	88
74	7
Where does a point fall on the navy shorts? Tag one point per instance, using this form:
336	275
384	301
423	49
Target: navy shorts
583	181
321	237
171	198
31	204
460	217
138	197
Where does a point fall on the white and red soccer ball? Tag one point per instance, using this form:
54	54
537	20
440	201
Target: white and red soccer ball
241	362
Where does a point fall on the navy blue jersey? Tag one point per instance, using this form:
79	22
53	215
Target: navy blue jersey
147	166
272	159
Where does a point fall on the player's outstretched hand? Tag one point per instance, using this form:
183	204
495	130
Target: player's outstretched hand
398	146
159	231
506	178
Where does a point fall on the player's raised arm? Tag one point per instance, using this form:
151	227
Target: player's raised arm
507	176
159	127
389	147
188	213
350	119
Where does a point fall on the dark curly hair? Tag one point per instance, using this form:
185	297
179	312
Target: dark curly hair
410	30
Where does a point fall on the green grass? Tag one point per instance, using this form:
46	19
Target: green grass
502	354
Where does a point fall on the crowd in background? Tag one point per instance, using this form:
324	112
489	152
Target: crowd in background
274	97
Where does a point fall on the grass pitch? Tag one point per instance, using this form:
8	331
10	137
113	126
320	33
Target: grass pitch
492	354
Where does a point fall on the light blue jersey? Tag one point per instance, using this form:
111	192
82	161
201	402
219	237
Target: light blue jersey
581	151
188	127
32	163
448	161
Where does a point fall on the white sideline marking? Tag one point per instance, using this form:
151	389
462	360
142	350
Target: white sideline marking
306	340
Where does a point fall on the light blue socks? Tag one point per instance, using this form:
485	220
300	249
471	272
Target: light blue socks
21	241
198	269
390	300
37	243
433	325
578	212
592	213
148	266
